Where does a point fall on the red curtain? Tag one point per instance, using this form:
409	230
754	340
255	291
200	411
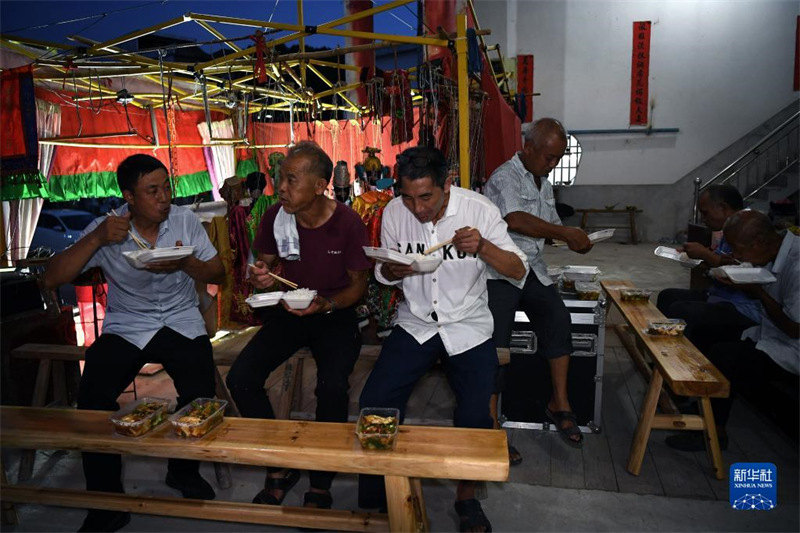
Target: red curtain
109	117
342	140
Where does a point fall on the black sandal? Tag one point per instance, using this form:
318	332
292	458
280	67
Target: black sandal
566	432
285	483
319	499
470	515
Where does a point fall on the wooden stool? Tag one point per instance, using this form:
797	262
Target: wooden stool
631	211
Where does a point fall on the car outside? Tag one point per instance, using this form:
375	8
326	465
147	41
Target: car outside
57	229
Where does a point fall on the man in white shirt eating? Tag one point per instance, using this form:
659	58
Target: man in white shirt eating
445	314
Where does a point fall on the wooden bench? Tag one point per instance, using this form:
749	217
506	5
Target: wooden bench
631	219
420	452
51	359
684	369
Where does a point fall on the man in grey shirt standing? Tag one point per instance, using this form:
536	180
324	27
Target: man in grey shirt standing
520	189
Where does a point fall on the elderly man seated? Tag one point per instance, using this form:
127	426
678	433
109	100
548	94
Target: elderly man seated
768	356
720	313
318	243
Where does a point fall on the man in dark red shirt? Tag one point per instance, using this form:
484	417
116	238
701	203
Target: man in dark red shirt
318	242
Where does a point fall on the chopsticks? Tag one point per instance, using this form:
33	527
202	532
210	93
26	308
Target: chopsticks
285	281
142	245
441	244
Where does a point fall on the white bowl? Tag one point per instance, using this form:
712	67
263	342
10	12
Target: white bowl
425	263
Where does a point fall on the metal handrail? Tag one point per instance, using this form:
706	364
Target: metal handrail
755	147
739	164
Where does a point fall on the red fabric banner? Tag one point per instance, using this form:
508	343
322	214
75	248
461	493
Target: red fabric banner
525	83
342	140
110	117
640	72
365	59
11	115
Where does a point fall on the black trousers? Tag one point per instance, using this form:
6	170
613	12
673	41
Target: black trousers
755	375
334	341
111	365
706	323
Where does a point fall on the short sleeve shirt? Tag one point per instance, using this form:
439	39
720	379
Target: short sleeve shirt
512	188
769	338
141	302
326	252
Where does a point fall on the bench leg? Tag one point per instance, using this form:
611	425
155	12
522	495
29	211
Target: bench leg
584	219
642	434
632	215
624	334
405	504
8	513
712	440
39	398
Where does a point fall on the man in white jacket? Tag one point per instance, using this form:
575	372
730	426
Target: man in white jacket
445	314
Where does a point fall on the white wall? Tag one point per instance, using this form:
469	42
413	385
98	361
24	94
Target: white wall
717	70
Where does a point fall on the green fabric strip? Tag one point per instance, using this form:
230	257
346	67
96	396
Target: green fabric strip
104	184
245	167
22	186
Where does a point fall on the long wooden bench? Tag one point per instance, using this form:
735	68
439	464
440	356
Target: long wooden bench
677	363
51	359
420	452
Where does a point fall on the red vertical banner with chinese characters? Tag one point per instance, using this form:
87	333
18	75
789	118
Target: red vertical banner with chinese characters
525	84
640	72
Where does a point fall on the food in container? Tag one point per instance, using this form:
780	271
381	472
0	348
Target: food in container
681	257
139	417
670	327
587	290
199	417
299	298
377	428
581	273
425	263
634	295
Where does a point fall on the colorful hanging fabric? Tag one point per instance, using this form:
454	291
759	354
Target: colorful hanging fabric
260	207
240	250
260	69
398	105
19	142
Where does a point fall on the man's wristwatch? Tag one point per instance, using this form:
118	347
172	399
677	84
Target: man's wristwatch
332	303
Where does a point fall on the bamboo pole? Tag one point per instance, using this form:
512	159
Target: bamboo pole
138	33
463	101
301	40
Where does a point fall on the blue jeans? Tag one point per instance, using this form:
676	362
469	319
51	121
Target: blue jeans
403	361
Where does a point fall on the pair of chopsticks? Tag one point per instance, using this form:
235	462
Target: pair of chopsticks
139	242
440	245
285	281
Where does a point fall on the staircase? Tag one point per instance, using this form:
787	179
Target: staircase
767	172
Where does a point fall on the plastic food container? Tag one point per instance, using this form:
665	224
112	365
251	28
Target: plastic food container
587	290
377	427
581	273
601	235
139	417
671	327
681	257
300	298
264	299
425	263
554	273
198	417
634	295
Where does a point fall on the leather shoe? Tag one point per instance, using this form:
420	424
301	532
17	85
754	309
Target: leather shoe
693	441
191	485
101	520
